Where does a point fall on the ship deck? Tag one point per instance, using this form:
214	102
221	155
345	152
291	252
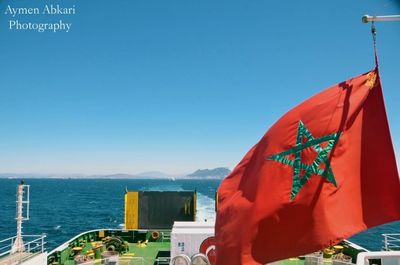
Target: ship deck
132	247
14	258
139	253
158	253
139	247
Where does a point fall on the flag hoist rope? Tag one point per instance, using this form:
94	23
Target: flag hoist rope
372	19
373	32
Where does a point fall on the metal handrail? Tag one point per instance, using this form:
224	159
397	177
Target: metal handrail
391	241
33	246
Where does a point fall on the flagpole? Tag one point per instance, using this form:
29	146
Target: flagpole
368	18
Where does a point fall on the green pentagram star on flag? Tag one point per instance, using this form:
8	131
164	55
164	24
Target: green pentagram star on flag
308	169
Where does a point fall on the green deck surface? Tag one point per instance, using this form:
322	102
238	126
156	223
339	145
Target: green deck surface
151	250
136	254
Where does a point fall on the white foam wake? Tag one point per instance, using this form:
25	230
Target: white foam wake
205	208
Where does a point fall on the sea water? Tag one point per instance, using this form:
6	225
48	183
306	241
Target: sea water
63	208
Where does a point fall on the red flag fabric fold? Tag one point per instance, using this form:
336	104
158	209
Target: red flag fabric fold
323	172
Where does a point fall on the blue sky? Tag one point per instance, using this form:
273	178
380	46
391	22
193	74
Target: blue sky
175	85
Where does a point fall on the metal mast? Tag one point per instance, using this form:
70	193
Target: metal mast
368	18
18	246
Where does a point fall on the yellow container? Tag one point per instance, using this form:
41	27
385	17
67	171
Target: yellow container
328	253
338	249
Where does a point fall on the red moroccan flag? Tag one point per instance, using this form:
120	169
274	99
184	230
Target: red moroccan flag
323	172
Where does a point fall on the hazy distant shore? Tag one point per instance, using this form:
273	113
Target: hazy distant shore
216	173
109	177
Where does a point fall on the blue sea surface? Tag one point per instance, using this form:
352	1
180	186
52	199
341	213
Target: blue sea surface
63	208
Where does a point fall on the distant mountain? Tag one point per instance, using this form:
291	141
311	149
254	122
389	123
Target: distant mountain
39	176
152	174
64	176
219	172
113	176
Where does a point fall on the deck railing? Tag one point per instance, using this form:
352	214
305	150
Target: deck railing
391	242
33	244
